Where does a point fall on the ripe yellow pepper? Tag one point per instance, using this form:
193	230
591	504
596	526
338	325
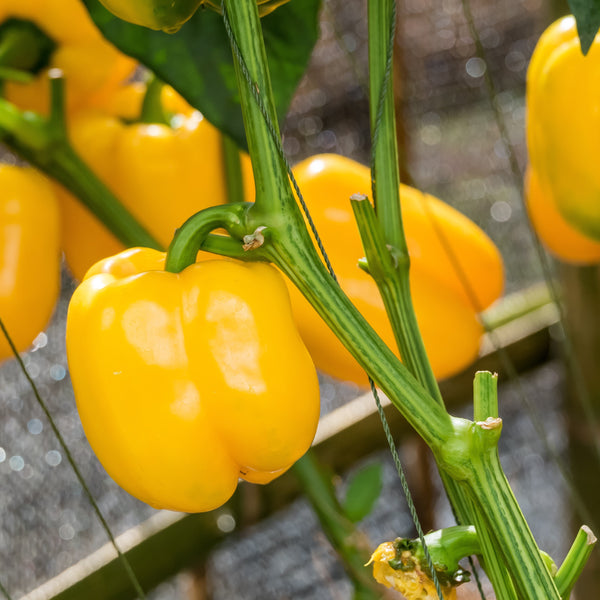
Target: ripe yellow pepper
186	382
562	239
162	174
563	118
446	312
93	68
29	255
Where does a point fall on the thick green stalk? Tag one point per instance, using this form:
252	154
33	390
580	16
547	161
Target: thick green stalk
267	165
340	531
393	273
383	235
485	405
499	513
288	244
492	493
492	559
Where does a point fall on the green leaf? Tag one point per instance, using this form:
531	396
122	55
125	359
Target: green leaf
587	15
363	490
197	59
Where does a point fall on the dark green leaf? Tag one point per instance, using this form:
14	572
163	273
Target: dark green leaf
587	15
197	61
363	490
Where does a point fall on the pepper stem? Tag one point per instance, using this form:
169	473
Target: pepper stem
193	234
153	111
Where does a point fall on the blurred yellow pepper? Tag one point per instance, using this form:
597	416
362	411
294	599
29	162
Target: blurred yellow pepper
162	174
92	67
562	239
446	311
563	120
29	255
186	382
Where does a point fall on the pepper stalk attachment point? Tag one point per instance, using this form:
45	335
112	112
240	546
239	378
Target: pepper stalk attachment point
195	235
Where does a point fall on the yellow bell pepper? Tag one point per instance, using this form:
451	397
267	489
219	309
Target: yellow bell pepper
446	311
563	240
29	255
563	118
162	174
186	382
93	68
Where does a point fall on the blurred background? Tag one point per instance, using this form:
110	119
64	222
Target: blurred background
452	148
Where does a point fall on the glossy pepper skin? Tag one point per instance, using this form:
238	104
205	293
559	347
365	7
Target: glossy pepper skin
446	313
186	382
93	68
562	239
29	255
162	174
563	118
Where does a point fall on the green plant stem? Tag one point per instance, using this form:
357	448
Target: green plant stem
153	111
575	561
44	143
233	170
288	244
495	502
492	560
485	396
353	549
485	405
463	449
491	491
446	547
385	167
382	234
267	167
189	238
